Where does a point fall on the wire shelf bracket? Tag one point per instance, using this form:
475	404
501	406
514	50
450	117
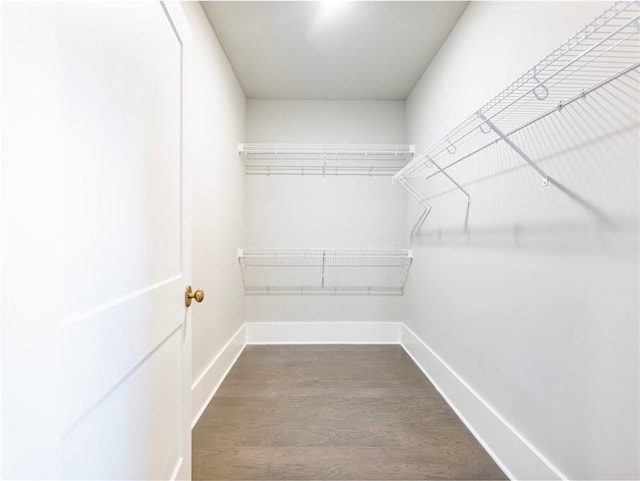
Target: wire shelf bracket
510	143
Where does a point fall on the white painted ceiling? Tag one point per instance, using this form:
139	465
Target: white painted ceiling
331	49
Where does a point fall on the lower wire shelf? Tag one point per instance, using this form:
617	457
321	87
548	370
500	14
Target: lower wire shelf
324	271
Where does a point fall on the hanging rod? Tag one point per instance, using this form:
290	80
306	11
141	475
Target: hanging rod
603	51
581	96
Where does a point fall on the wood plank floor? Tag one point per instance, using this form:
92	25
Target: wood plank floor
349	412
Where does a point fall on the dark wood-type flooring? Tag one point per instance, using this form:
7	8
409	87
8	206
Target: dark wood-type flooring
350	412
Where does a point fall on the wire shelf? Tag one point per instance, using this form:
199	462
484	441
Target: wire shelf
606	53
324	159
325	271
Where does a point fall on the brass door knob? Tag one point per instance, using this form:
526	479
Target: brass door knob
198	295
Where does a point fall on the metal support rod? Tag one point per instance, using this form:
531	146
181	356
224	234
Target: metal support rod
324	253
419	222
466	216
429	159
414	193
545	177
423	202
580	96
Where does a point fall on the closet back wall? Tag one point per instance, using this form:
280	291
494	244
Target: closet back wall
341	211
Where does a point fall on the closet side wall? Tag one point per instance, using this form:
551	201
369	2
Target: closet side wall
218	110
336	212
536	307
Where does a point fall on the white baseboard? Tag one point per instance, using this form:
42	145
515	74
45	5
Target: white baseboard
323	332
509	449
206	385
176	469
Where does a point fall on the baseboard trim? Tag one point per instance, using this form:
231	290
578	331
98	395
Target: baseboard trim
176	469
205	386
323	332
516	456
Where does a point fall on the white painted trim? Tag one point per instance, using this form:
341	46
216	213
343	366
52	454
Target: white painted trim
178	23
1	250
94	311
176	469
511	451
323	332
205	386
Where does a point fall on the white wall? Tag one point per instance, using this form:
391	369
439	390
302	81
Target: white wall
341	212
218	111
537	307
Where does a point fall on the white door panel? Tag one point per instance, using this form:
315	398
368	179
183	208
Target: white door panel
119	78
95	241
136	419
114	342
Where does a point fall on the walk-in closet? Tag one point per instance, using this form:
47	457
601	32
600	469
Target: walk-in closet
350	240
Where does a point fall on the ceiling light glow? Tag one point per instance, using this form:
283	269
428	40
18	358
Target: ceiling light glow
331	8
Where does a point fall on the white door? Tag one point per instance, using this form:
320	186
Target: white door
95	241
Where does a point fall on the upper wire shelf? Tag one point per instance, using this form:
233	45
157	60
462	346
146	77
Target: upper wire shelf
606	50
324	159
324	271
